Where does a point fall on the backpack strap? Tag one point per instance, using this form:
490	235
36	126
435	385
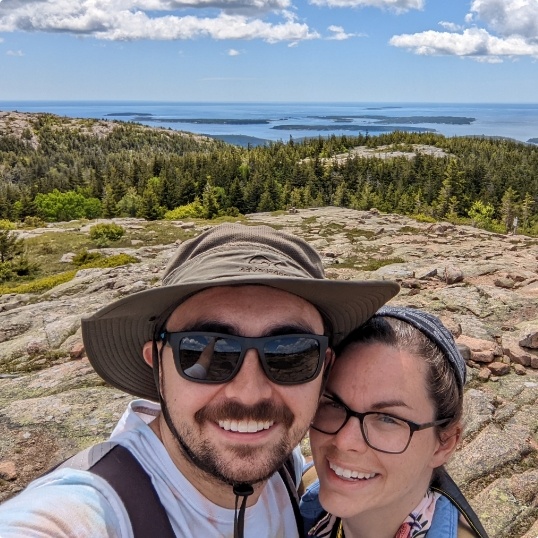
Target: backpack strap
287	472
444	484
133	485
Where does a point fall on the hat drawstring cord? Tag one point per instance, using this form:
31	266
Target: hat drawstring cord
241	490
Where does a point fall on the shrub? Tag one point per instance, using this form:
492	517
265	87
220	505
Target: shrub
7	224
194	210
423	218
84	256
10	245
34	222
481	214
63	206
103	262
102	234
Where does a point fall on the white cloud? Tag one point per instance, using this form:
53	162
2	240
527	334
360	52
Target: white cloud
399	6
473	42
156	19
339	34
450	26
499	29
509	17
233	52
17	53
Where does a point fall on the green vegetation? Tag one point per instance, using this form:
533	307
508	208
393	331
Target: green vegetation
131	170
368	264
103	234
14	262
91	260
84	260
40	284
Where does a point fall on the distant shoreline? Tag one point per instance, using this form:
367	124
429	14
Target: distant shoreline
274	121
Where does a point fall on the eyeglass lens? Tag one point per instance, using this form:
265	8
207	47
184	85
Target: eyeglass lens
286	359
381	431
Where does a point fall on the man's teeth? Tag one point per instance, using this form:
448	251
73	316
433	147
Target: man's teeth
245	426
348	473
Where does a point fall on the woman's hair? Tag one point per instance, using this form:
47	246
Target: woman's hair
441	380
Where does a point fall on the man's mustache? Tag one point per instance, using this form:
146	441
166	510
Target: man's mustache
264	411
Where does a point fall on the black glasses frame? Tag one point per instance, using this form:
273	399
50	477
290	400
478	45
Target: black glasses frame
246	343
413	426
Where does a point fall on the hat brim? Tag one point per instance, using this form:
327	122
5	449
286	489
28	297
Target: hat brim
115	335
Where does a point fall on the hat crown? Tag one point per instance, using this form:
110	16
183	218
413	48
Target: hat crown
238	251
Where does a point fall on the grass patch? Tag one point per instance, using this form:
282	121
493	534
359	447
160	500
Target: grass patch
40	284
409	230
423	218
48	248
353	235
367	264
111	261
331	229
48	282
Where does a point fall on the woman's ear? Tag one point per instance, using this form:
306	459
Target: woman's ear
448	442
147	353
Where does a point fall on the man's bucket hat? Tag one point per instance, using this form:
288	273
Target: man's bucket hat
225	255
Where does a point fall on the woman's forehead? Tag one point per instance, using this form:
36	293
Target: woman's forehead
377	367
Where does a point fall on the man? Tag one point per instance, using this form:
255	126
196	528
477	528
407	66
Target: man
234	345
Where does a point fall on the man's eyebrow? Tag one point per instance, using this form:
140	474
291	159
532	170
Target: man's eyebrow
291	328
210	326
214	326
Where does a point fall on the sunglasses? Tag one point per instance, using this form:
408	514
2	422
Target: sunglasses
206	357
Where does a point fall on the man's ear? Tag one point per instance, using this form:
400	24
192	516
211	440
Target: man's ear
147	352
449	440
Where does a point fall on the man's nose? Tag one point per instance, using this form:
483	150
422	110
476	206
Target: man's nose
250	385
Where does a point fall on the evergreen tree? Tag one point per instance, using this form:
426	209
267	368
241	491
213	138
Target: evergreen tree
508	207
10	245
210	200
109	204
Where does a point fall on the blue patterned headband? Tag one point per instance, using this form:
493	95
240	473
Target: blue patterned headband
432	327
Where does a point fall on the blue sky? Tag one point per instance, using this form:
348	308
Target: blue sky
270	50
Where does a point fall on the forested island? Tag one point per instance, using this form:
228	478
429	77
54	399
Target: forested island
56	168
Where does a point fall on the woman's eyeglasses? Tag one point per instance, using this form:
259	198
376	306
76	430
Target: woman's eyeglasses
381	431
288	359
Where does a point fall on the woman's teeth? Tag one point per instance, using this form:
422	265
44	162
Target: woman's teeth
349	474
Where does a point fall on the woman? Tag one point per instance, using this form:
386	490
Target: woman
389	418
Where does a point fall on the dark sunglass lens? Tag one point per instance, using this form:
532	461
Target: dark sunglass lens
207	358
292	359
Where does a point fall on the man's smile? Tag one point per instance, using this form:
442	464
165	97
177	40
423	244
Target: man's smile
245	426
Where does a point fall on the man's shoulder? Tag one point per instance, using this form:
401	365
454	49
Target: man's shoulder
61	502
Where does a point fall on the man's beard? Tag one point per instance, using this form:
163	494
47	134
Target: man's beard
205	455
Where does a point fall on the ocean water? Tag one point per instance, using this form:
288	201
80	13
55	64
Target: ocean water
252	122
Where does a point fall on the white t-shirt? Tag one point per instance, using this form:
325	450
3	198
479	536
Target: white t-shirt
69	503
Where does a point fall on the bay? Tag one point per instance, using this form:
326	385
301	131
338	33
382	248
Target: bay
255	123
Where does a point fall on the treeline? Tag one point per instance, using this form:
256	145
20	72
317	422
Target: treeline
139	171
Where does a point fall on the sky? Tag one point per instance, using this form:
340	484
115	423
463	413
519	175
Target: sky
447	51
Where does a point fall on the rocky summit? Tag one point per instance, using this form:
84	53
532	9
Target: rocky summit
484	286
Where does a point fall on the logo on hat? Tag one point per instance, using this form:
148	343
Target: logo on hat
263	264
